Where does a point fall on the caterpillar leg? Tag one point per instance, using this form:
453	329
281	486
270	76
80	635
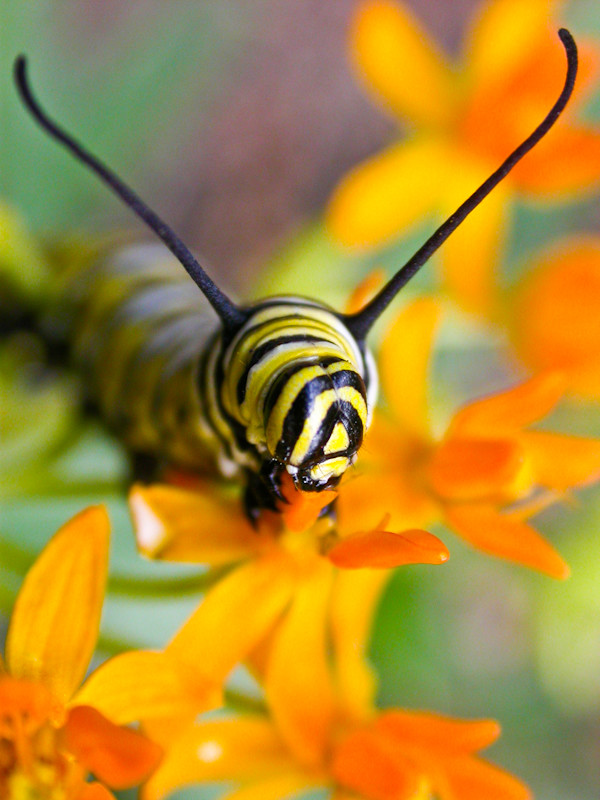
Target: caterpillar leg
263	489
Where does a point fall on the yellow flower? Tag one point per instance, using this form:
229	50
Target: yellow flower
281	575
489	471
316	736
52	734
553	314
468	118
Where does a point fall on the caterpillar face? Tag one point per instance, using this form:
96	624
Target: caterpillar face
316	420
297	381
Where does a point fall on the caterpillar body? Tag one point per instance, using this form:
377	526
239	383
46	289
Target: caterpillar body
283	386
292	387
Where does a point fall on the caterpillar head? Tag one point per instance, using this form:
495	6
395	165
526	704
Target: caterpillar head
316	420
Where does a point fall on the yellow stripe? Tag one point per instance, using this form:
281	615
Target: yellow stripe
313	422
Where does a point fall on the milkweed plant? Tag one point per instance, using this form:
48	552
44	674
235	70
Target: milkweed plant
372	653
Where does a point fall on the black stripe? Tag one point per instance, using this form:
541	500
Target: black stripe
287	373
262	350
340	411
303	404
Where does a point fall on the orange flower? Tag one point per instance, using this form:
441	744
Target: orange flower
469	119
51	735
554	314
485	476
317	736
286	573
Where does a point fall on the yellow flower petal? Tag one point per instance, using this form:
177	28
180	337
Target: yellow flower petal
388	193
141	685
503	33
471	257
192	526
237	749
54	625
506	412
492	532
354	603
298	683
562	462
400	64
404	364
233	618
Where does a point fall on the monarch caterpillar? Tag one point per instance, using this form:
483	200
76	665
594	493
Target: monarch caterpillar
286	385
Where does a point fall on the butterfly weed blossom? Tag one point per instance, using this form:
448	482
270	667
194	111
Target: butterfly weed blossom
553	313
487	474
312	735
298	600
54	732
461	119
51	737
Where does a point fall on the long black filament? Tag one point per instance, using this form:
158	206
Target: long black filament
231	316
360	323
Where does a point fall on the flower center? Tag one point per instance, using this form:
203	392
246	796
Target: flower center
33	765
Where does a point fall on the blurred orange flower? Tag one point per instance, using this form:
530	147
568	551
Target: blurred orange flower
553	314
285	585
313	733
52	736
469	118
485	476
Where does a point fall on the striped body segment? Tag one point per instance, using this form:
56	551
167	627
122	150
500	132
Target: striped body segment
291	390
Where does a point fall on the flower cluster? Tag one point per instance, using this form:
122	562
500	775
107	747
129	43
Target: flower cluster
291	601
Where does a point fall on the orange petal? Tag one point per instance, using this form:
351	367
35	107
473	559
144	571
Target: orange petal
565	164
524	81
140	685
562	462
470	469
302	509
434	732
503	34
555	318
508	411
95	791
253	596
298	683
192	526
54	625
404	363
385	550
236	749
389	193
387	44
386	479
472	256
119	757
365	291
495	533
354	602
472	778
363	763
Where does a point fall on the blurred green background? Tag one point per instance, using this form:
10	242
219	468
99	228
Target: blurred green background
235	121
